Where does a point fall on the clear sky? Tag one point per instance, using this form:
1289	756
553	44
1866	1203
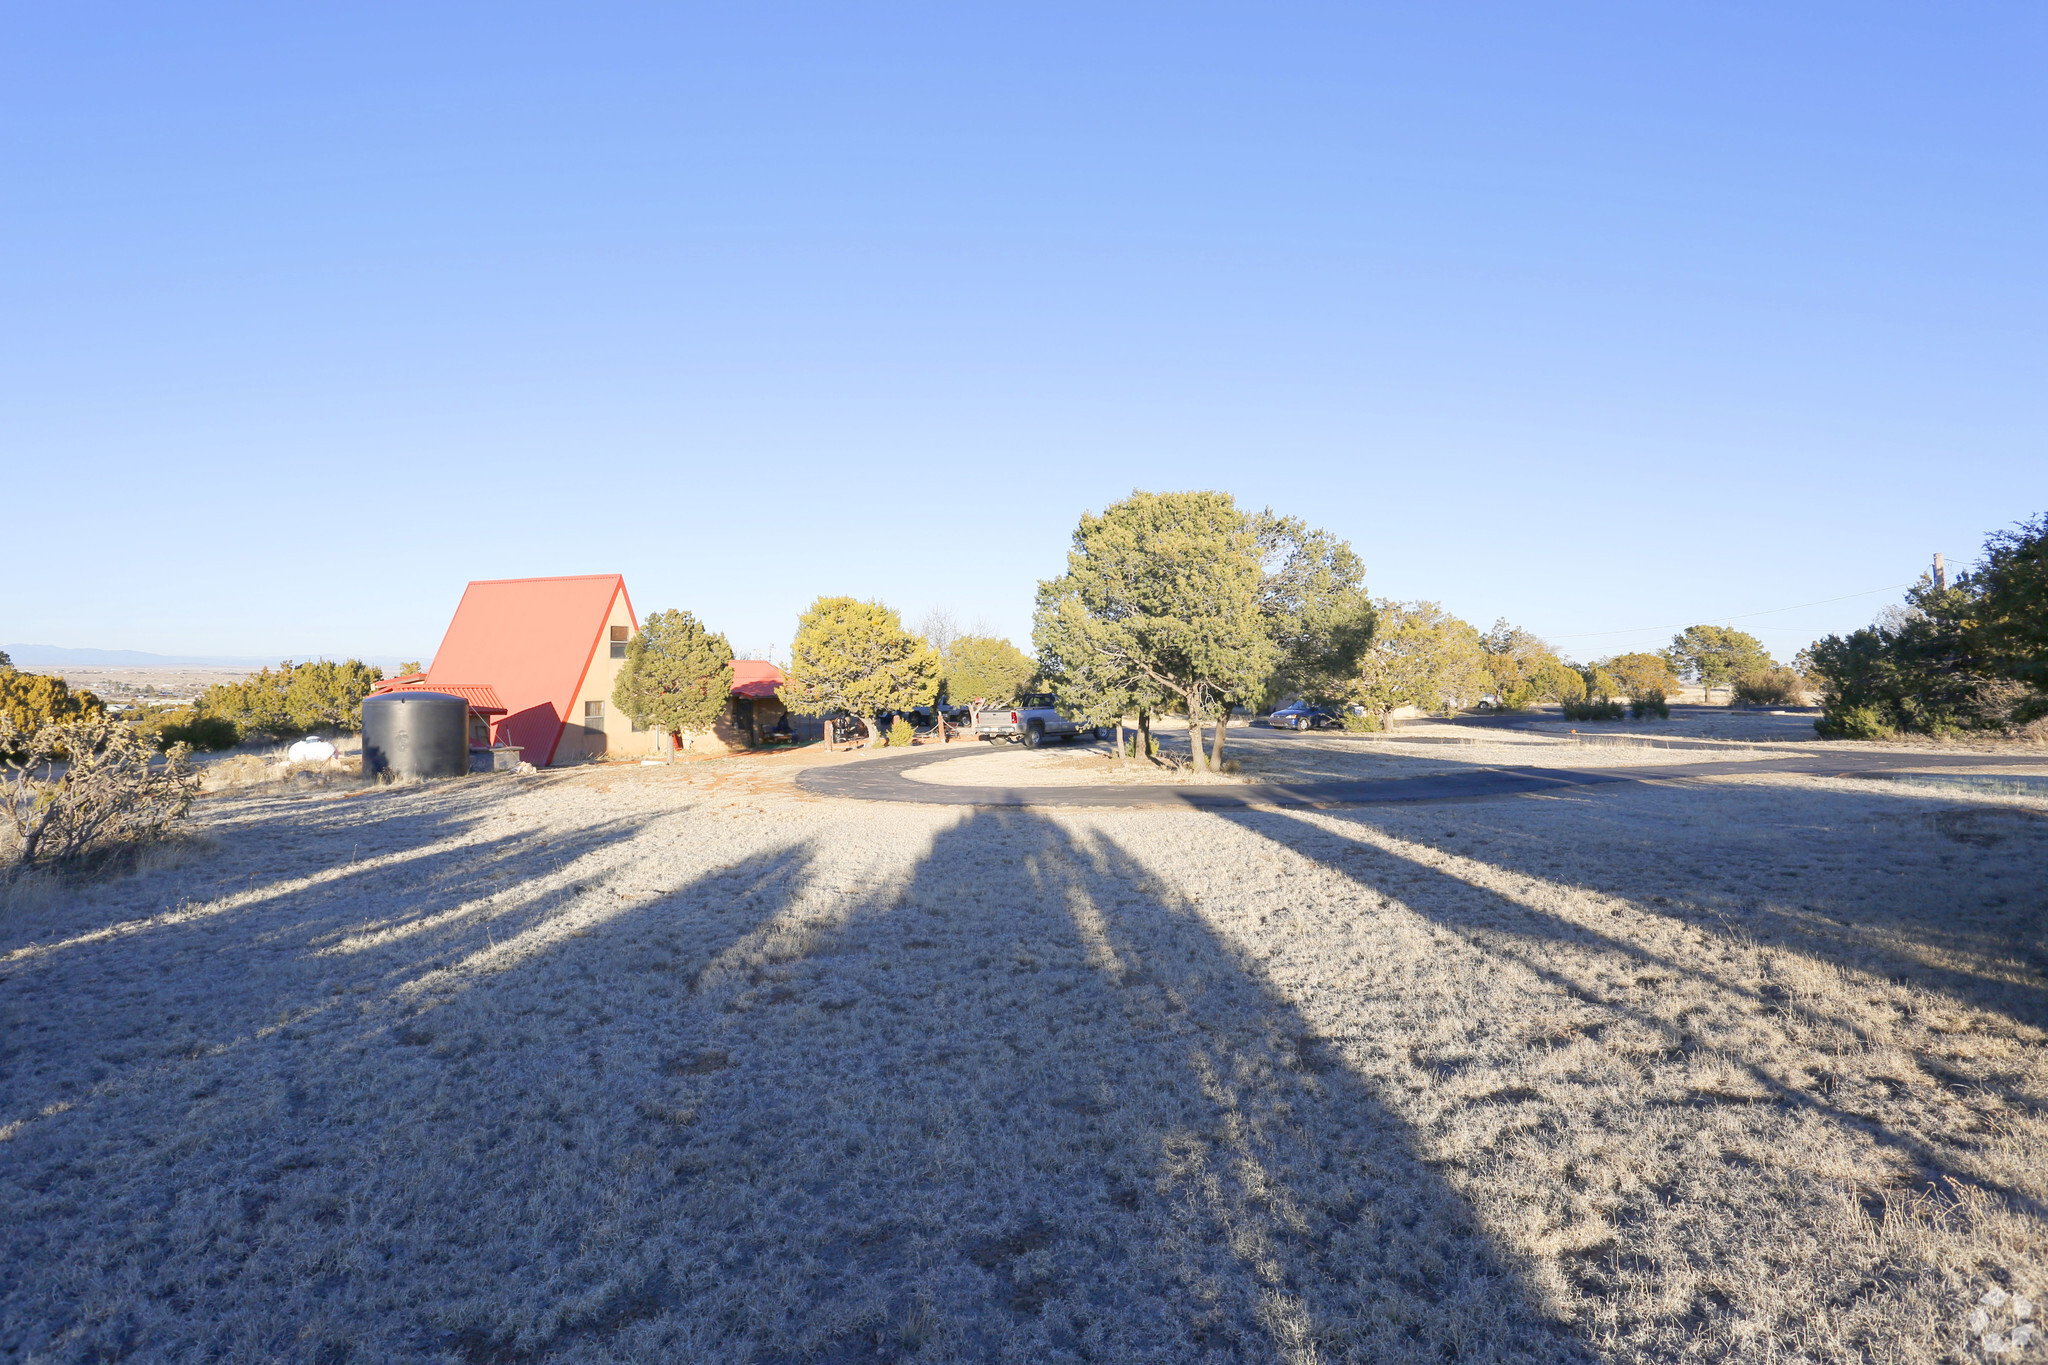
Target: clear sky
1604	319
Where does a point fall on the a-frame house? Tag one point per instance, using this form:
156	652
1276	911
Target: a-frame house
550	648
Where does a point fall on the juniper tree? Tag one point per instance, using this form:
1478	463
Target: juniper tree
1639	674
2010	588
982	667
1527	670
856	657
677	677
324	695
1185	596
33	700
1714	656
1421	656
295	698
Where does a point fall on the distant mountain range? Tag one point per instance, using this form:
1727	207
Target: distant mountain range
55	656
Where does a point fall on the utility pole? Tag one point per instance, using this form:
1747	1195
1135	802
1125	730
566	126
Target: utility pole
1940	573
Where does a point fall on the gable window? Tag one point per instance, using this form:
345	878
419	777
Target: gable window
619	642
593	715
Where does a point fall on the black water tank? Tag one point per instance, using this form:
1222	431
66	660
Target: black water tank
415	734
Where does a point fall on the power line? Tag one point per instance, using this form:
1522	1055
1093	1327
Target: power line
1744	616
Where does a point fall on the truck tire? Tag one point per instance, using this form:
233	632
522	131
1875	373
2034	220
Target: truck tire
1034	735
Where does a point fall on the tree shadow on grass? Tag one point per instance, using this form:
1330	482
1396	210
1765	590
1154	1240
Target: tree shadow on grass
258	1193
1019	1104
1596	1006
1009	1101
1905	888
79	1015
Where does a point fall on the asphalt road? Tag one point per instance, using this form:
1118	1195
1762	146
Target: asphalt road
883	779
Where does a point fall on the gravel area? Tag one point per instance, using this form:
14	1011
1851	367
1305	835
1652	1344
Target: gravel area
685	1064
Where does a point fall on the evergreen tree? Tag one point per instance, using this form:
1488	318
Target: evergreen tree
1184	596
1526	670
1640	674
2010	625
677	677
855	657
1420	655
294	699
324	695
33	700
1714	656
982	666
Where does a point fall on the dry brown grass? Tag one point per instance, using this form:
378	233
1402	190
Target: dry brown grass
243	770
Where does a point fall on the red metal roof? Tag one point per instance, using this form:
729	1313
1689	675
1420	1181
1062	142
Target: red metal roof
532	640
482	697
755	678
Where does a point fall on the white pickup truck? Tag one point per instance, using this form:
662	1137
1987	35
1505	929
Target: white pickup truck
1032	721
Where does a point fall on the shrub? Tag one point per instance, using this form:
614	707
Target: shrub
1854	722
202	732
1151	742
32	700
1767	687
105	798
900	734
1650	703
1639	673
1360	725
324	695
1972	655
1596	708
295	699
163	726
1525	670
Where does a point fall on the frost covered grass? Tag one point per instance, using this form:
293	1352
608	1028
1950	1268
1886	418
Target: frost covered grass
1269	756
683	1064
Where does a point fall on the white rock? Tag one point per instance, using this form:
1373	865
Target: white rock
310	751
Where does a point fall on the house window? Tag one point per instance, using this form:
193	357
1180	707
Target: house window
619	642
593	715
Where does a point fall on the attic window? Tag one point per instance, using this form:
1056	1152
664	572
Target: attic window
619	642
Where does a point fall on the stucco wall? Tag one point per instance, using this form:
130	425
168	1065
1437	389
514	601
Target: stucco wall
619	738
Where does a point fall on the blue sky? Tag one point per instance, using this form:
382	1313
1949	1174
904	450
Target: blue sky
1604	319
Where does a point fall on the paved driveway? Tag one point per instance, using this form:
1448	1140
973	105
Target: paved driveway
886	779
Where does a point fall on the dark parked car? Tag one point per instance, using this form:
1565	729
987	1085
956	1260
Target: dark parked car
1301	716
